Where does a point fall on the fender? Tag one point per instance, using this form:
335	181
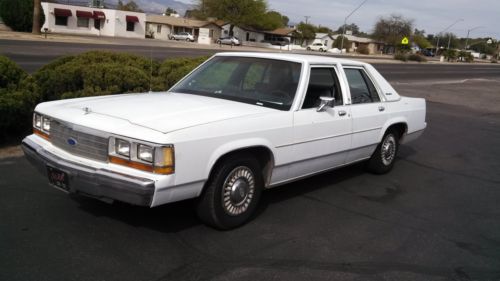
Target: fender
390	122
234	146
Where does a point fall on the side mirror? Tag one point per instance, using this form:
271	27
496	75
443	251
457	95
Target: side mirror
325	102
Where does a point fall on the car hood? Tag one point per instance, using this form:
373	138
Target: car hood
163	112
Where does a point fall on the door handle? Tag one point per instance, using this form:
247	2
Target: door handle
342	112
381	108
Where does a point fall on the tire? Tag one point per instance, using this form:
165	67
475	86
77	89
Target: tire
308	49
232	193
321	50
384	156
188	40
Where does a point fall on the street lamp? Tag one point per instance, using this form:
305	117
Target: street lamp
345	22
468	32
437	45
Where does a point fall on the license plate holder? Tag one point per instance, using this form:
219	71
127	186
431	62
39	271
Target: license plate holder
58	178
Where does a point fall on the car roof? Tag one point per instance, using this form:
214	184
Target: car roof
310	59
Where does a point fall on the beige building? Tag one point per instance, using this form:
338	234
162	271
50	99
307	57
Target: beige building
161	27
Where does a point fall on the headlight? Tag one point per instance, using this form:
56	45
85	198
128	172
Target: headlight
46	124
122	147
37	120
145	153
149	157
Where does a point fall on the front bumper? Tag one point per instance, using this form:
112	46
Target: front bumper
102	184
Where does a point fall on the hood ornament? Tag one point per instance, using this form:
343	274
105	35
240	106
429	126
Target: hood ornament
86	110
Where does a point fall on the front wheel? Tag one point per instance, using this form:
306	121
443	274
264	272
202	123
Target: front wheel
384	156
232	192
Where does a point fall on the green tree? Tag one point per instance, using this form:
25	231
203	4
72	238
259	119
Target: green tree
170	11
236	12
324	29
18	14
421	41
338	43
269	21
392	29
354	28
305	32
130	6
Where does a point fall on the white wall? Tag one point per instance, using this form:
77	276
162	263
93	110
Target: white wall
165	30
113	25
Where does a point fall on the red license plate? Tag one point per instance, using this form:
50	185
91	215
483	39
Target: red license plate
58	178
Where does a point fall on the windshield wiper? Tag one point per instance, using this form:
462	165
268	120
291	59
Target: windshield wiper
268	101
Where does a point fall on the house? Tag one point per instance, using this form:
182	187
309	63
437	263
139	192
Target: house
354	42
61	18
161	27
249	34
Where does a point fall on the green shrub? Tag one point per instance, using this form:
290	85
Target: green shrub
415	57
18	96
95	73
465	56
401	57
451	55
363	49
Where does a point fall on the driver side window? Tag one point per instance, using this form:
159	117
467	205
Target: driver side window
323	82
361	87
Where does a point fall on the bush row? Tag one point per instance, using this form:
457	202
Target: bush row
89	74
410	57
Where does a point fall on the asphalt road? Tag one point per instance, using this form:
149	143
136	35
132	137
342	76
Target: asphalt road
31	55
434	217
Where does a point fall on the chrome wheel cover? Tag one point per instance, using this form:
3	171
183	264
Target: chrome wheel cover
238	191
388	150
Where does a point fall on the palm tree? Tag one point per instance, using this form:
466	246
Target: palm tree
36	17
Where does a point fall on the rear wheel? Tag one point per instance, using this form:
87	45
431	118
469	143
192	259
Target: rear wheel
308	49
232	192
384	156
321	49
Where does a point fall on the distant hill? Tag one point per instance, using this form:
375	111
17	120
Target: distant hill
158	6
148	6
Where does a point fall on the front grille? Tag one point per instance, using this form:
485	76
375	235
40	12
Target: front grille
82	144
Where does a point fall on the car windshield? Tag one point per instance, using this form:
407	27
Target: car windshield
264	82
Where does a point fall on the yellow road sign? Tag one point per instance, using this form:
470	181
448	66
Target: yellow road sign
405	41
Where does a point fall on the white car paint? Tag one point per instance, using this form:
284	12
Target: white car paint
203	129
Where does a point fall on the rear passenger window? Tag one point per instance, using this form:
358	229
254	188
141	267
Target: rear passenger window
323	82
361	87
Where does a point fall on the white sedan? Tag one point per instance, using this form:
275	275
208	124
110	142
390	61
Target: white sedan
317	47
238	124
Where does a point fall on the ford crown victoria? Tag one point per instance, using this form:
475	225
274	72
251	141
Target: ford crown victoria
238	124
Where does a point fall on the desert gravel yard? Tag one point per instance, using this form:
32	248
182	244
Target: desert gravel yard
436	216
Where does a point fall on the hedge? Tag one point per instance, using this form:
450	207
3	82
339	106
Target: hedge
89	74
18	96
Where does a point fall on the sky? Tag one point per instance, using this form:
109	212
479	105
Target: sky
433	16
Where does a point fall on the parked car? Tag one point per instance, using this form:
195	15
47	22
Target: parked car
185	36
280	41
230	40
317	47
238	124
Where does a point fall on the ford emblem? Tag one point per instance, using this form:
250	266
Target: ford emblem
72	141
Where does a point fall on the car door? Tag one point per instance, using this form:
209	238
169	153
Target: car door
368	113
321	139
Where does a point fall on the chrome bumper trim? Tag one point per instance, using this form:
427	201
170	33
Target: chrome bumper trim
102	184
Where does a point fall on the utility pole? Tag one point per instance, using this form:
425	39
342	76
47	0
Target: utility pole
437	45
468	33
345	23
35	28
307	19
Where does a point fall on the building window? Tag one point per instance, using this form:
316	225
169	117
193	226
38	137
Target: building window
61	20
82	22
130	26
158	29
